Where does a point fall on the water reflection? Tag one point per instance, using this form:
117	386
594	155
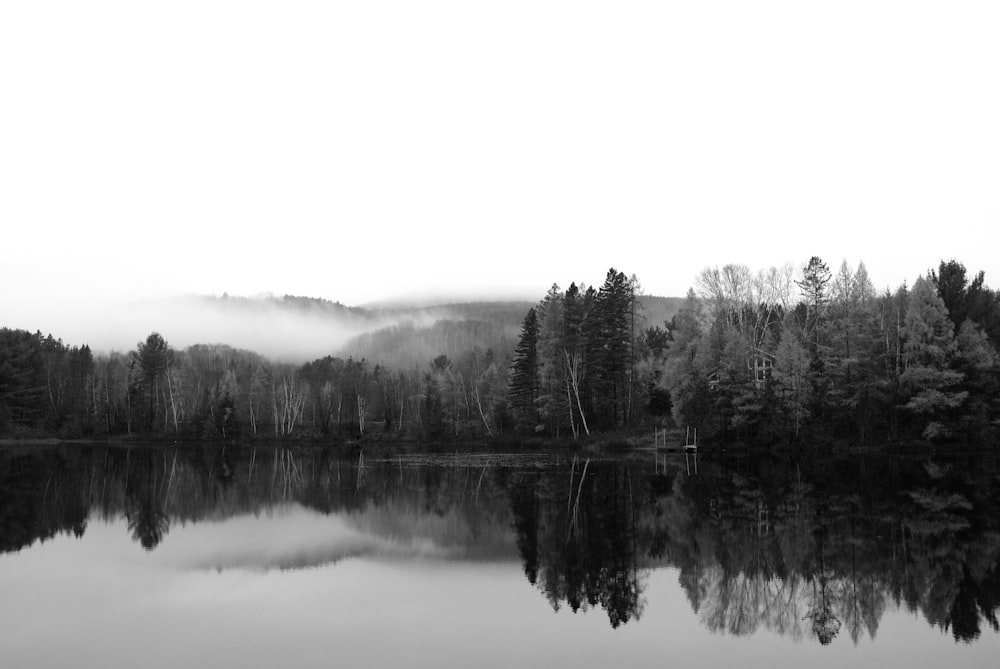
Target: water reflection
811	548
835	544
578	539
147	518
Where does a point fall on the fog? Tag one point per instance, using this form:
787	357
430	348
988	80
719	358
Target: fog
294	330
289	537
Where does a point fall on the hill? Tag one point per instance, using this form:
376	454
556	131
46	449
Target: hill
295	328
453	329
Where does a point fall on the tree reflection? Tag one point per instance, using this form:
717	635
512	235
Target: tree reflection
148	523
825	623
845	540
42	494
524	503
578	542
147	519
974	602
812	548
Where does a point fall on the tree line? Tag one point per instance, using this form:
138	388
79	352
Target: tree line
774	356
216	391
771	358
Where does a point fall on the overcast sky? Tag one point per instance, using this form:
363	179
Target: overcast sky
368	150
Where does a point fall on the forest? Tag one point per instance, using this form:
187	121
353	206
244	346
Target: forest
780	356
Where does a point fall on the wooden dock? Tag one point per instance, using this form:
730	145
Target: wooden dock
689	449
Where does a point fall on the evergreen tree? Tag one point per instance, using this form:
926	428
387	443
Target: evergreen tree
968	300
952	286
523	387
864	290
926	380
813	286
816	297
326	392
851	328
552	402
153	357
22	379
979	364
613	306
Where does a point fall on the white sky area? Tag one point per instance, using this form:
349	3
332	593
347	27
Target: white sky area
362	151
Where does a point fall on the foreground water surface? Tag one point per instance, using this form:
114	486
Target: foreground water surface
267	556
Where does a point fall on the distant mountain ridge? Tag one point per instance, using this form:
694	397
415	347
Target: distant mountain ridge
297	329
300	328
487	326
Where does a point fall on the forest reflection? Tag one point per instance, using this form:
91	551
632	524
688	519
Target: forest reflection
812	548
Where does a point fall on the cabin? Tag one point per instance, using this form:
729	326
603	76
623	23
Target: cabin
760	364
713	379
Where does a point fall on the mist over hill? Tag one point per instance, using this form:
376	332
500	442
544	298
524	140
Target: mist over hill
655	311
492	326
297	329
288	328
462	327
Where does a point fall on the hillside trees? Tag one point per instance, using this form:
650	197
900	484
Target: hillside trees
325	397
928	382
218	392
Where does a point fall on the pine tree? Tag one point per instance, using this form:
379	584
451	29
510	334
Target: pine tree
613	306
813	286
966	299
523	388
815	277
552	402
22	378
153	357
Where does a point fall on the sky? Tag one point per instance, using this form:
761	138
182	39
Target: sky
377	150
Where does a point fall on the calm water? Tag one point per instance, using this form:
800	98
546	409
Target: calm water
274	557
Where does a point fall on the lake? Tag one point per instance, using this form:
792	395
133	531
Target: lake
267	556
